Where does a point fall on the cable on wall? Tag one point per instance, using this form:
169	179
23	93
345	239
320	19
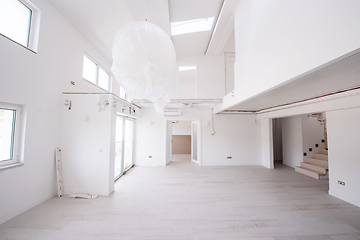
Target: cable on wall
212	122
147	6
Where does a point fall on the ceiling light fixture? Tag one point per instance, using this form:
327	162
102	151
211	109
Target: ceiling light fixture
144	61
191	26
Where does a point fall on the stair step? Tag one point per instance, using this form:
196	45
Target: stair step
315	167
323	151
320	156
319	162
308	172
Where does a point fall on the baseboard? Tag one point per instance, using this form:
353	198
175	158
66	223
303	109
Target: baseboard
15	213
344	198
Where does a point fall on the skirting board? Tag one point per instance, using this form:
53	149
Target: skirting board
346	199
15	213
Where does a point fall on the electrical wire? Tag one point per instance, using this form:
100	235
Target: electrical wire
212	122
147	6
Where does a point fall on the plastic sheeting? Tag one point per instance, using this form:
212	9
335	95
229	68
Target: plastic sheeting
144	62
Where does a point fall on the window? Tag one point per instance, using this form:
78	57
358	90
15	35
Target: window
10	118
124	144
123	95
19	21
191	26
95	74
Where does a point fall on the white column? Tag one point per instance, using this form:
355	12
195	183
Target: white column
267	143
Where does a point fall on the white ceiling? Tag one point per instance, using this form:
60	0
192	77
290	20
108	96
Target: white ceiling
98	21
182	10
155	11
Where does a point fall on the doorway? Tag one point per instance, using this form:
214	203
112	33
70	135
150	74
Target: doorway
277	141
182	142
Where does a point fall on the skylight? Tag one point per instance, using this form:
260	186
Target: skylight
184	68
191	26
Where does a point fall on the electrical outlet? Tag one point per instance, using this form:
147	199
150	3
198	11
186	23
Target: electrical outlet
341	182
229	158
150	156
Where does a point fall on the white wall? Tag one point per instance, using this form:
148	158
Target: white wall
187	84
292	141
86	144
150	139
237	136
36	81
344	152
181	128
279	40
210	76
313	133
230	45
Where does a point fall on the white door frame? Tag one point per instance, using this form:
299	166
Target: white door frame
168	143
199	146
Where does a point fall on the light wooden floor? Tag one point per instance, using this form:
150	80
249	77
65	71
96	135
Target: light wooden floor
185	201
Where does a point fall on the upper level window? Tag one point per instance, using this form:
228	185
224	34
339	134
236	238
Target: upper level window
19	23
95	74
123	95
10	118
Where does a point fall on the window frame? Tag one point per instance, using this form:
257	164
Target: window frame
98	66
34	27
17	153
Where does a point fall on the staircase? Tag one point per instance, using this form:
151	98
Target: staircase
315	166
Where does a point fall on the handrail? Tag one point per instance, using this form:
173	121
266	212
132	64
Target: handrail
325	130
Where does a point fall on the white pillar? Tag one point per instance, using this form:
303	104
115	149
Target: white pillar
267	143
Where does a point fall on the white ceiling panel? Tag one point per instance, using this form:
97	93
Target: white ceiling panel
98	21
183	10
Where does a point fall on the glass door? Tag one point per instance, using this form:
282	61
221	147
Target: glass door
119	146
128	143
195	142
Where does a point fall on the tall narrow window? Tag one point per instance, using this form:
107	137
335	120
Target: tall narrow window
7	133
124	143
119	145
10	123
128	143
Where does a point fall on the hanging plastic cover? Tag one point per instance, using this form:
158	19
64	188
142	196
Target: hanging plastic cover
144	62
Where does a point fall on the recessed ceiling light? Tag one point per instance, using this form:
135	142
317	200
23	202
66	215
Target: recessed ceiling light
191	26
184	68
